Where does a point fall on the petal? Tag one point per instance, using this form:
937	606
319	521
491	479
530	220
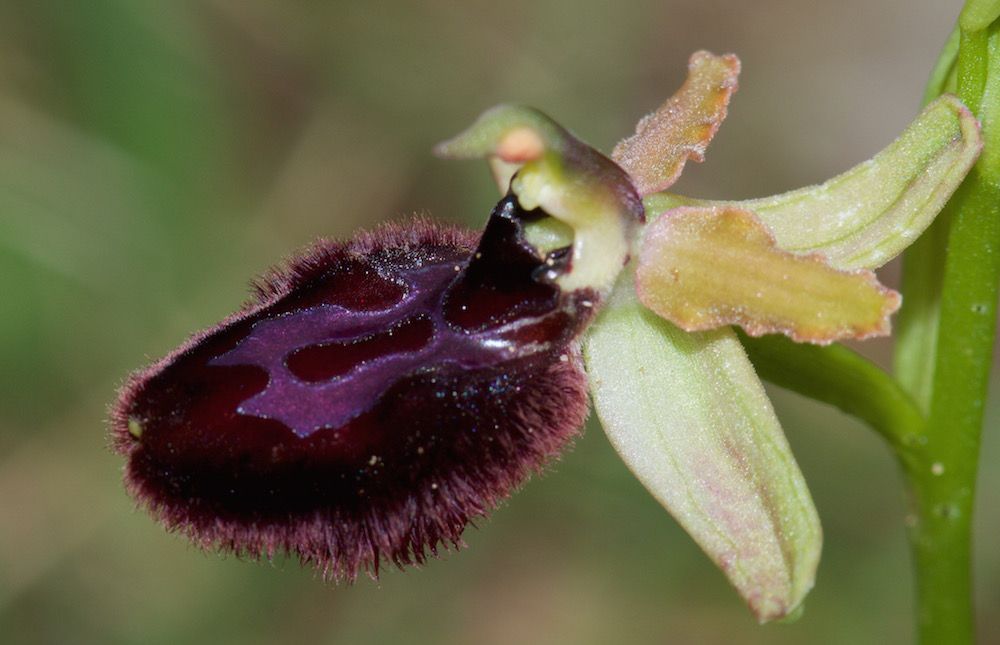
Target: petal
690	418
703	268
868	215
682	127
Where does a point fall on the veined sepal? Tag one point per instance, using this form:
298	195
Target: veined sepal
690	418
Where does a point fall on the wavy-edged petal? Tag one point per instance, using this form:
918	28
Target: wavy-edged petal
869	214
682	127
708	267
690	418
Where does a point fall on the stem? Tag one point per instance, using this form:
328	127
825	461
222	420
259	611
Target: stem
945	356
942	474
842	378
943	478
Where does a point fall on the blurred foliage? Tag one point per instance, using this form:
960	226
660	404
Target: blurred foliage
154	155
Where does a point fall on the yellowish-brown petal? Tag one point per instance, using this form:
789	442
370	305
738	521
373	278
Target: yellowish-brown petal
682	127
706	267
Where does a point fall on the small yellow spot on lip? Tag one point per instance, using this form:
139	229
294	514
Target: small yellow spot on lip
135	428
520	145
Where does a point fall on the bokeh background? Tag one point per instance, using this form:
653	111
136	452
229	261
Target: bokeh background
155	155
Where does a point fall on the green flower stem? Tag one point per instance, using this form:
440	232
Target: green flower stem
842	378
950	326
942	477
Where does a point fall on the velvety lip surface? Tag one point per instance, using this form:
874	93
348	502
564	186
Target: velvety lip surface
410	369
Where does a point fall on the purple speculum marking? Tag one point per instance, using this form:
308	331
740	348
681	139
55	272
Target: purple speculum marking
373	399
358	360
466	313
306	407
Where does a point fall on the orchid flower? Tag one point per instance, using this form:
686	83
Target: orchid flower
377	395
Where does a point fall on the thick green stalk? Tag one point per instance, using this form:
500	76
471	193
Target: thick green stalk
943	476
951	326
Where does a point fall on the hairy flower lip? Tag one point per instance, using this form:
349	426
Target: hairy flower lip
267	290
441	446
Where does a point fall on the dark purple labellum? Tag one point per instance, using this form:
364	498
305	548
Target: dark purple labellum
373	399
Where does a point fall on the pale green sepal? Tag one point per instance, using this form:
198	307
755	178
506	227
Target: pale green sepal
690	418
868	215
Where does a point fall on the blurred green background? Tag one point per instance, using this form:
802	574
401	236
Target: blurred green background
155	155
